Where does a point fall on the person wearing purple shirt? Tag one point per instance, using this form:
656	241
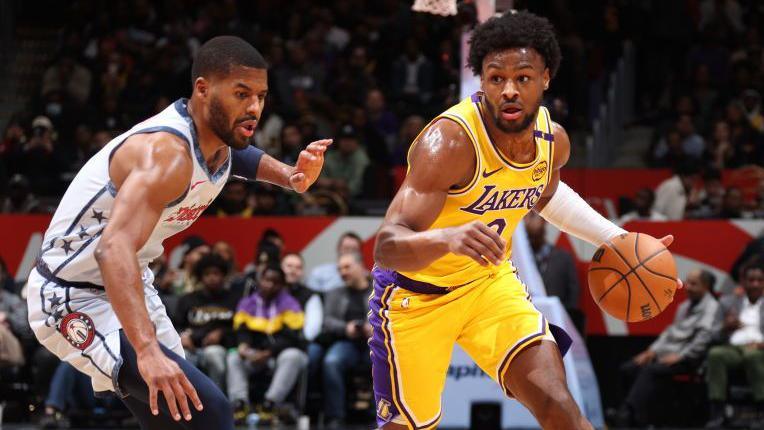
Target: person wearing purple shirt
268	326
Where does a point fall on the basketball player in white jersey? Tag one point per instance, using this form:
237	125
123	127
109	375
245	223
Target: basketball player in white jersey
91	300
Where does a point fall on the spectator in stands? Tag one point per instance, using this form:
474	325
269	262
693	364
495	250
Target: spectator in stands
292	264
326	276
14	329
269	134
739	327
345	166
707	203
720	150
412	76
345	333
70	390
556	266
381	118
668	151
411	127
672	194
70	78
643	208
292	143
41	159
20	198
205	318
733	205
227	253
234	200
183	279
268	326
680	348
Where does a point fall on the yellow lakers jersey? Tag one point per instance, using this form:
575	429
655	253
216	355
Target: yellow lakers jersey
500	193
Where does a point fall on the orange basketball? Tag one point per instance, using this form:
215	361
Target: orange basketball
633	277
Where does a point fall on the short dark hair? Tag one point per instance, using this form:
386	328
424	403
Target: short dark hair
210	260
350	234
220	54
708	279
277	269
515	30
755	263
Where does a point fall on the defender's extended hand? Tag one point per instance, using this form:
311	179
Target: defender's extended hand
666	241
308	166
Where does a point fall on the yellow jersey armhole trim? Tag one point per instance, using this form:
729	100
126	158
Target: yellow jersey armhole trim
551	147
463	124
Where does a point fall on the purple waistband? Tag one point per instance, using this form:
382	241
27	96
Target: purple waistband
386	277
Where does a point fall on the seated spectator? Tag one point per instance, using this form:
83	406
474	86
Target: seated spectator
292	264
345	166
20	198
707	202
205	318
409	130
326	276
227	253
70	390
720	150
183	279
268	327
41	158
671	194
556	266
739	328
345	333
7	282
14	329
234	200
68	77
680	348
732	205
643	208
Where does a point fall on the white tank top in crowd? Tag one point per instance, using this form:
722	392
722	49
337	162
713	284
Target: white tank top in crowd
72	237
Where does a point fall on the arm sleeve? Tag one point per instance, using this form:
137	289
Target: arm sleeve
333	323
244	162
567	211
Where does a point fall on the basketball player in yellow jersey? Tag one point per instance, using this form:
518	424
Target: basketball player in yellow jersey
443	273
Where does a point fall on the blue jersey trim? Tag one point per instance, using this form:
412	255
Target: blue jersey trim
181	105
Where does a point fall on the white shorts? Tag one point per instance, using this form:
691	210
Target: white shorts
80	327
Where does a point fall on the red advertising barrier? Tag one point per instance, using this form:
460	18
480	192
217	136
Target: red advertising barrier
710	244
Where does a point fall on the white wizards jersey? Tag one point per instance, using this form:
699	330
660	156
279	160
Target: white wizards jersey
73	235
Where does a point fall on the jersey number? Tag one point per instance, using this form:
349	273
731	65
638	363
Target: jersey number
500	224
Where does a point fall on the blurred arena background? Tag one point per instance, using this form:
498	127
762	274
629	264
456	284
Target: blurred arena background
662	101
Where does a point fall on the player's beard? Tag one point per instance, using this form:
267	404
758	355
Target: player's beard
508	127
221	126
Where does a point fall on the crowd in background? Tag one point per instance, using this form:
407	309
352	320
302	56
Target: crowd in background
368	74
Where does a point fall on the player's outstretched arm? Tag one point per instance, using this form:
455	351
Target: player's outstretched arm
149	172
566	210
252	163
441	159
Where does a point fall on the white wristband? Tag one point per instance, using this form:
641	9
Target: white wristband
567	211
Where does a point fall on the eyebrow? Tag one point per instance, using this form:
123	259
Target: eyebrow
241	85
522	66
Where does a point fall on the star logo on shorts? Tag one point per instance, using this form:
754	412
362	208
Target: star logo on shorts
98	215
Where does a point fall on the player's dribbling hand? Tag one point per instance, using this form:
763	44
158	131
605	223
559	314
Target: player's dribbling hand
477	241
163	374
308	166
666	241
